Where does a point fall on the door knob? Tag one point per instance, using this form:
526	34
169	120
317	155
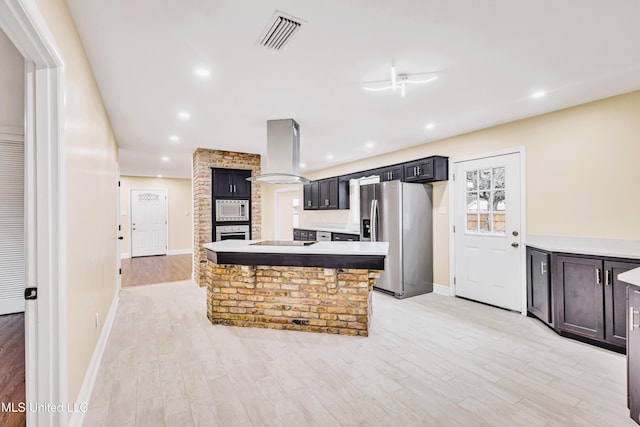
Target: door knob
120	238
515	233
515	245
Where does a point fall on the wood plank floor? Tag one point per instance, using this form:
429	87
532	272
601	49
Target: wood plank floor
430	360
12	367
155	269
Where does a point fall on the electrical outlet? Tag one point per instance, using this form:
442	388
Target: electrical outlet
97	319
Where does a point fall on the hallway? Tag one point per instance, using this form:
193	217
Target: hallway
155	269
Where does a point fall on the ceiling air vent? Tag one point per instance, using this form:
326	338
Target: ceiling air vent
279	30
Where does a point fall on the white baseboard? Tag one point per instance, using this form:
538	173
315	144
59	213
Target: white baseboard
180	252
441	289
125	255
77	419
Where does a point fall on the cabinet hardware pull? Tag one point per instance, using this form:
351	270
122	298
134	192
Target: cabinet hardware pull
230	188
598	276
607	278
542	270
632	324
418	170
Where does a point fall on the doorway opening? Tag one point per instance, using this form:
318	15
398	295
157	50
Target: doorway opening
286	213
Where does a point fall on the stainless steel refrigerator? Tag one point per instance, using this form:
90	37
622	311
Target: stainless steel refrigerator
400	213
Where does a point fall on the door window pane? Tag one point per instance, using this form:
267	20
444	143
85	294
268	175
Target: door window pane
472	202
486	195
472	223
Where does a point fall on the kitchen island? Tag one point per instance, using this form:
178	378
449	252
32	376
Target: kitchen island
320	287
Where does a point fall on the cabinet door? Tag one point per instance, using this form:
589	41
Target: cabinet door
296	234
633	352
411	172
539	285
241	187
579	296
329	194
615	302
391	173
311	195
222	183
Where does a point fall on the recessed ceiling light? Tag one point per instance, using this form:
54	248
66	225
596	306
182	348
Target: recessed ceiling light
329	156
174	138
430	126
159	176
370	144
303	165
539	94
184	115
165	158
202	72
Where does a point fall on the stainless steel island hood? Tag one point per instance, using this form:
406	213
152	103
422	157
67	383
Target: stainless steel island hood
283	154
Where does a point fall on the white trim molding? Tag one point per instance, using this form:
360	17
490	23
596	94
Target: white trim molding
180	252
125	255
442	290
82	402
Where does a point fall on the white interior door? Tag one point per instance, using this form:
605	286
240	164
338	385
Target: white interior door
12	221
148	222
487	235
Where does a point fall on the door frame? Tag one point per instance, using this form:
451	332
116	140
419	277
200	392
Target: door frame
46	371
523	217
276	207
166	209
119	231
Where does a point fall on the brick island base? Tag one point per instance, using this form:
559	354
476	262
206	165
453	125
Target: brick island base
312	299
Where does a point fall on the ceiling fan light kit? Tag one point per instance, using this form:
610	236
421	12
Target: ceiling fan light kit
399	81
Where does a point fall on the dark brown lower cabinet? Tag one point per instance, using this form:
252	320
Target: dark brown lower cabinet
591	301
582	298
539	302
579	296
633	352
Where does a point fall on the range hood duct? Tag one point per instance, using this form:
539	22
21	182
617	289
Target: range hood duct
283	154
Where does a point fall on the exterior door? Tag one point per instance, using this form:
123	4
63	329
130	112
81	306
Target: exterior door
148	222
488	254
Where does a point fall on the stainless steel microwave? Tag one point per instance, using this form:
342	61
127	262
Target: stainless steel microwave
232	210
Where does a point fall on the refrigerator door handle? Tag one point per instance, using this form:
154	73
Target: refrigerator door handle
374	220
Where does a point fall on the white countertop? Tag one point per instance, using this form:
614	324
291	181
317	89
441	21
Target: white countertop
588	246
319	248
631	276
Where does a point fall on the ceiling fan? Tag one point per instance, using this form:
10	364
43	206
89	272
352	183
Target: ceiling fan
399	81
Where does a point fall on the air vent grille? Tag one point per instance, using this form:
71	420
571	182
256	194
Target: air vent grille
279	30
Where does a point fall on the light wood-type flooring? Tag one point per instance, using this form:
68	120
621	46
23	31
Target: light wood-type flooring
430	360
12	368
155	269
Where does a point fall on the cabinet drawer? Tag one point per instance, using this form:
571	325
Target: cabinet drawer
345	237
296	234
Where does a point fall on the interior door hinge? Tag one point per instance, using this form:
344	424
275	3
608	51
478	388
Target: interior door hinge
119	228
454	176
454	228
119	271
118	183
31	293
454	280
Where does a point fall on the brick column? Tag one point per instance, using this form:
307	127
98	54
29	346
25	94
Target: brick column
203	161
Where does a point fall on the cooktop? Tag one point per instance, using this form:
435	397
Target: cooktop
283	243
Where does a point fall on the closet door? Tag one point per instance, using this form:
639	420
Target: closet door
12	243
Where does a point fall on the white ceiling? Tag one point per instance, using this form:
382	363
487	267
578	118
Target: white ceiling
491	55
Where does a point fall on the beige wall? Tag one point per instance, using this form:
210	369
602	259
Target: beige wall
581	170
179	198
90	154
11	84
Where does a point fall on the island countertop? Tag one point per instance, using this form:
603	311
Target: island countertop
368	255
319	248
